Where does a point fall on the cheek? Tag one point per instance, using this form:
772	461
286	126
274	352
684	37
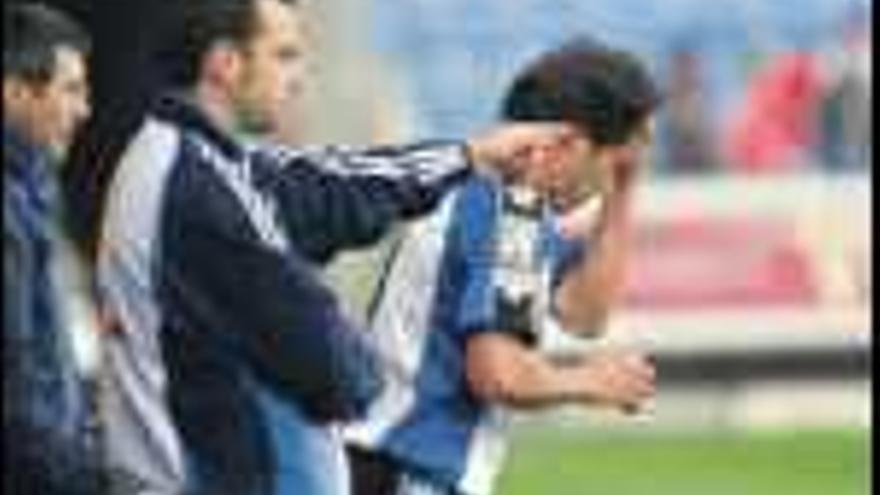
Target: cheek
51	117
256	81
567	174
272	88
295	76
68	112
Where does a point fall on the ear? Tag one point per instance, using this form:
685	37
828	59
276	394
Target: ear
18	95
14	90
223	65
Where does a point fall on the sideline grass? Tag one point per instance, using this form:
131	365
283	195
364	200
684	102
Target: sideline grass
562	462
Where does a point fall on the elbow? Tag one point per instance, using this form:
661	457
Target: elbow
490	378
358	378
488	385
342	382
346	399
591	324
584	320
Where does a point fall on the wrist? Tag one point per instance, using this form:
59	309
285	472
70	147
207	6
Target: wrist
618	205
621	194
576	386
477	153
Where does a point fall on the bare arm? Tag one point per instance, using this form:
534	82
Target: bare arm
590	288
502	369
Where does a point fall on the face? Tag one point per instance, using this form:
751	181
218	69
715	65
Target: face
50	112
574	168
273	67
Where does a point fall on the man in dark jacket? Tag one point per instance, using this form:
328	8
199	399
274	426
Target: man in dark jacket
49	445
232	359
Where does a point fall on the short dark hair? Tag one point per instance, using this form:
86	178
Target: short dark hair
31	35
606	92
202	24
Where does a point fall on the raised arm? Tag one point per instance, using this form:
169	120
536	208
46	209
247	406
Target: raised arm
341	198
591	286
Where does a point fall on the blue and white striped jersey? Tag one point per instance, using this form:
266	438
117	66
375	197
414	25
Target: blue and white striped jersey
231	353
439	288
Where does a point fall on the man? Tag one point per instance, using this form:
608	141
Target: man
231	357
459	312
122	74
47	429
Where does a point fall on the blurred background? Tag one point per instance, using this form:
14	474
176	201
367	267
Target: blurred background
750	282
751	275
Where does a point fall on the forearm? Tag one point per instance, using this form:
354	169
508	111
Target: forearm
335	198
590	288
502	370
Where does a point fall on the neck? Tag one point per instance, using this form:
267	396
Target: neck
21	155
16	123
216	105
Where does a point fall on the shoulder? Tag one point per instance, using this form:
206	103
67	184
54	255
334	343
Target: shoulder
476	207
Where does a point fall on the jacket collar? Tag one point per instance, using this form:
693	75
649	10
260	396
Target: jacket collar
179	109
21	158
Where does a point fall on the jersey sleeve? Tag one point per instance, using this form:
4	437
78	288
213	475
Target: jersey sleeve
480	308
476	219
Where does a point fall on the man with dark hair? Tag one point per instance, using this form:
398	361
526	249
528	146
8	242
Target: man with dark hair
231	359
469	293
48	435
122	75
41	45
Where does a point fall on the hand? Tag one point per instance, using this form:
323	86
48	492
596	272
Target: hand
620	379
581	220
625	170
618	200
505	148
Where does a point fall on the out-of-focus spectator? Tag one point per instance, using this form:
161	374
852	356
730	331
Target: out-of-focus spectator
776	124
846	111
689	144
124	73
48	429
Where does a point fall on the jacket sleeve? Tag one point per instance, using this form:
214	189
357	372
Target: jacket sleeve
337	198
270	305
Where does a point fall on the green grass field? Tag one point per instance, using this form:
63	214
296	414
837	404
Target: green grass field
564	462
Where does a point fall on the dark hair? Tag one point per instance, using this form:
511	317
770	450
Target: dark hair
202	24
607	93
31	34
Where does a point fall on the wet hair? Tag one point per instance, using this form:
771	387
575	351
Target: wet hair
605	92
